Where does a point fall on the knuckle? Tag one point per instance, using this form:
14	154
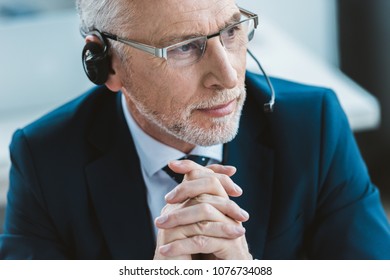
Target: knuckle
202	198
196	173
231	205
199	199
173	217
201	227
193	174
165	209
225	178
228	229
212	181
179	188
207	209
200	241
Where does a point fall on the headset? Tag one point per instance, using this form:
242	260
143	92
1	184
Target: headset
96	60
96	64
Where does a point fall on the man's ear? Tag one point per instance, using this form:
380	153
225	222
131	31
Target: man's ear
113	82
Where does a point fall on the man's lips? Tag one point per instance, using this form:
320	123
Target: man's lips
220	110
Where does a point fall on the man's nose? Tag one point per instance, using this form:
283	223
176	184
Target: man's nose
221	74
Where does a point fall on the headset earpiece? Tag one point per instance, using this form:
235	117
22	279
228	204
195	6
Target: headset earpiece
96	61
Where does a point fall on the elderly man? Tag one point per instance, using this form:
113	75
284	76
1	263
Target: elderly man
168	157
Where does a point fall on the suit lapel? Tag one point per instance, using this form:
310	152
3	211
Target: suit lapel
254	160
117	188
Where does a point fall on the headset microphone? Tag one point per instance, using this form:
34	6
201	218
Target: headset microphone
268	107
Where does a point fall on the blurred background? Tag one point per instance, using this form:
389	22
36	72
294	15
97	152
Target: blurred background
341	44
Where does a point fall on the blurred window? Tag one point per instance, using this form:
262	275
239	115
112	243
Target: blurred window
16	9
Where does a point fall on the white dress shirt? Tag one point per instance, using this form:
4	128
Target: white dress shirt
155	155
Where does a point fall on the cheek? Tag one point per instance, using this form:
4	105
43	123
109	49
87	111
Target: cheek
239	63
149	79
173	86
162	89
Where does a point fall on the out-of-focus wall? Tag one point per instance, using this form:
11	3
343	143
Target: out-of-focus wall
36	5
365	56
311	22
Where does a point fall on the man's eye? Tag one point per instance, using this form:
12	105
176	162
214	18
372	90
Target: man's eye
187	50
188	47
232	31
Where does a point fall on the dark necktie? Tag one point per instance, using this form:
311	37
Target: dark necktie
179	177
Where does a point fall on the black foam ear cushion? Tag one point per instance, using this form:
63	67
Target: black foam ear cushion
96	62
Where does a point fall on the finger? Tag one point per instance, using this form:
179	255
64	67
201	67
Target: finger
223	169
225	206
190	189
211	229
231	188
184	166
213	184
214	229
190	215
229	209
194	171
200	244
158	256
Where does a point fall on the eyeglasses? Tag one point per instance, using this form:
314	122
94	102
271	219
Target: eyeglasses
233	37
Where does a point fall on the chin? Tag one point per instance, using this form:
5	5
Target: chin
220	131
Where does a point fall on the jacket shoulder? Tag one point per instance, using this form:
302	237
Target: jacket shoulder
75	114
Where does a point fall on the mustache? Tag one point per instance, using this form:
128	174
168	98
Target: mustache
220	97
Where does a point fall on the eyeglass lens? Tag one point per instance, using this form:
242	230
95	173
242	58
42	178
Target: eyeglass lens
233	38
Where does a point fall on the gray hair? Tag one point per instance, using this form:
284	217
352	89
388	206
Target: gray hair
105	15
113	16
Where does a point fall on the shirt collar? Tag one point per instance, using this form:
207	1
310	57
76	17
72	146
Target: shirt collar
153	154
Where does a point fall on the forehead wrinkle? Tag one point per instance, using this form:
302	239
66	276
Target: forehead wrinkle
235	17
167	38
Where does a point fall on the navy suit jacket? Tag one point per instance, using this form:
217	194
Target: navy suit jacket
76	189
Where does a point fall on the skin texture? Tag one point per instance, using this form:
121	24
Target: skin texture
181	107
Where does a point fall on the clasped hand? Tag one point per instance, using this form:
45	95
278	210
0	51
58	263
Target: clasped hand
200	221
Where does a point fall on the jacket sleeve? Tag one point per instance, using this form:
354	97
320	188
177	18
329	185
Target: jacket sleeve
28	230
350	221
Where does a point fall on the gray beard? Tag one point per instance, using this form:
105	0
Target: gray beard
223	129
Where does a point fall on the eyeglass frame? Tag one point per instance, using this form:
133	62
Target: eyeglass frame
163	52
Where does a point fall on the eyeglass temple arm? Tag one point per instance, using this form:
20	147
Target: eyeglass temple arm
143	47
250	15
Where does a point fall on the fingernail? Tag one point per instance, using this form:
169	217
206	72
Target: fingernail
170	195
237	188
244	214
176	162
164	249
228	167
239	230
162	219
